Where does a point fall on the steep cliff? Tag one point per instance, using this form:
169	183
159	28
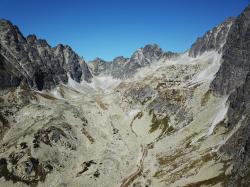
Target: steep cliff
233	79
35	61
212	40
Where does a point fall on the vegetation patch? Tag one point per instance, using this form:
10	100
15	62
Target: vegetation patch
86	133
86	166
170	159
193	166
96	174
138	115
162	124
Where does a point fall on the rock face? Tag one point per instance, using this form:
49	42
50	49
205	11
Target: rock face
236	55
233	79
212	40
123	68
35	61
237	146
99	66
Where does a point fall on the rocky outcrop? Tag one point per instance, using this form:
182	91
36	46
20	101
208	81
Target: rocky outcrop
9	75
212	40
237	147
233	79
123	68
35	61
236	56
148	55
99	66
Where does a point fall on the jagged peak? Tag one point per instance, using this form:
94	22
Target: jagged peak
213	39
34	58
247	9
31	38
43	43
5	22
10	30
59	47
97	60
151	47
120	58
147	48
154	49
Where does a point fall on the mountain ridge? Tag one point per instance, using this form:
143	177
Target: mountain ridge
119	68
34	58
123	68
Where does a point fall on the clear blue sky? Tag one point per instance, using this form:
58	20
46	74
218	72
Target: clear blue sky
109	28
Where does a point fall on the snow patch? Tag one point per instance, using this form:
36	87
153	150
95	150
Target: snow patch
104	83
55	93
82	87
218	118
208	61
133	112
211	63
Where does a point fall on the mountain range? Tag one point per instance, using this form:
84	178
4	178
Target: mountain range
158	118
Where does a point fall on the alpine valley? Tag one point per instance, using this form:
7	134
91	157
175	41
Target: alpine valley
155	119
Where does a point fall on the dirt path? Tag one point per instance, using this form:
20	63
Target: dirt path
128	180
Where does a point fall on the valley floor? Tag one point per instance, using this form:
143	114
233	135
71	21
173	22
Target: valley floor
88	135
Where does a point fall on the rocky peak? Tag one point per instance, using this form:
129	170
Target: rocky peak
152	50
120	60
58	49
213	39
122	68
43	43
146	55
98	61
34	61
73	64
235	56
98	66
10	32
31	39
233	80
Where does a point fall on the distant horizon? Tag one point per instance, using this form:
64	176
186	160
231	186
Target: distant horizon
109	28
